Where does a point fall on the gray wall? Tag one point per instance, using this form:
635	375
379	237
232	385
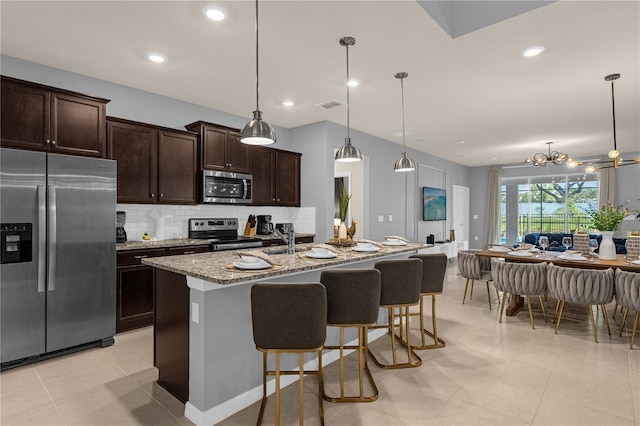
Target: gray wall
384	188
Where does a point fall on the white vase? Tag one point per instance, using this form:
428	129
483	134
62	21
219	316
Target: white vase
607	247
342	231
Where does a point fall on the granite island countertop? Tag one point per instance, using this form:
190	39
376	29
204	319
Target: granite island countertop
217	267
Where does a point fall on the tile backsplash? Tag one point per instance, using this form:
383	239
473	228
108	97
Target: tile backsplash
173	220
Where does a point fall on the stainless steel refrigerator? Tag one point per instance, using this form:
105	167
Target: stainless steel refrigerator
58	266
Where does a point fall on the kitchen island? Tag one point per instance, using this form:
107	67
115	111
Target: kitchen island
203	304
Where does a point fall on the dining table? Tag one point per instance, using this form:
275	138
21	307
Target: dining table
558	259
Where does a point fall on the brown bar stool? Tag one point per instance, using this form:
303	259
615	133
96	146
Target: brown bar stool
401	281
289	318
353	299
434	266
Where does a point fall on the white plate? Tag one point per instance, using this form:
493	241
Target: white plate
252	265
521	253
394	243
499	249
327	255
636	262
250	259
571	257
373	248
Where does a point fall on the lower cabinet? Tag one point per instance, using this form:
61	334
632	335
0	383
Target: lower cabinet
279	242
171	333
135	285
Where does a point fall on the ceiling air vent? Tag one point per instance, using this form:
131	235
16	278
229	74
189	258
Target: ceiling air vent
329	104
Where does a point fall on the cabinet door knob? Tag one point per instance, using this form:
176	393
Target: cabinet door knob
161	195
229	165
48	142
273	199
278	199
53	142
153	195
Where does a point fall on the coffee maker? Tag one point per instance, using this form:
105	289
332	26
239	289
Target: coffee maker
265	227
121	234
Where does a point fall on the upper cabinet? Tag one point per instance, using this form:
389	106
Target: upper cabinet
155	164
220	148
43	118
276	177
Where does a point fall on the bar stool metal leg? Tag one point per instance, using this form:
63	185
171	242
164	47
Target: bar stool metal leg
413	360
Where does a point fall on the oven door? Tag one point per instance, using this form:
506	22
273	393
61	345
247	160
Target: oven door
226	188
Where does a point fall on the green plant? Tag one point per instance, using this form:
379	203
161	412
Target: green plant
609	217
344	203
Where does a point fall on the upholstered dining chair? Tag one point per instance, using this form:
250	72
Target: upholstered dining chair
524	279
628	296
580	286
473	268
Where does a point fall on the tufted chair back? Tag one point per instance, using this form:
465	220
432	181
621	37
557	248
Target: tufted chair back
469	265
582	286
520	278
628	289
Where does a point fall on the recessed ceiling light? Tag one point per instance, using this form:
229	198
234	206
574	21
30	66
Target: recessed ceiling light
493	158
422	140
215	13
353	83
158	58
459	142
399	134
533	51
288	103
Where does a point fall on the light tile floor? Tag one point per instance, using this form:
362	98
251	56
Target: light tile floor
488	374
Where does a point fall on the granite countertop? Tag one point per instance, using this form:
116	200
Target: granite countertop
217	267
181	242
178	242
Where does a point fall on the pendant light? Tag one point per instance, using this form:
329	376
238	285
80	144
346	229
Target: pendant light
256	131
404	164
348	152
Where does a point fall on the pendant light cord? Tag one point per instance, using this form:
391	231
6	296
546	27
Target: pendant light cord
613	109
348	102
404	143
257	65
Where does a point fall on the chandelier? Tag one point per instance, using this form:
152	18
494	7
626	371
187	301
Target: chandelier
555	157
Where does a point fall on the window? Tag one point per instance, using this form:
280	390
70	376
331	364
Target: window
546	204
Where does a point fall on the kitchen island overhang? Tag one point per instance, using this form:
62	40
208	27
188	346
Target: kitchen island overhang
224	367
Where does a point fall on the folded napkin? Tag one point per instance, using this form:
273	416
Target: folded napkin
257	253
327	247
374	243
396	237
524	246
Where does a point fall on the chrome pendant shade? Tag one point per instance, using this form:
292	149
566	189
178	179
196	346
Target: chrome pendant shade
348	152
555	157
404	164
257	131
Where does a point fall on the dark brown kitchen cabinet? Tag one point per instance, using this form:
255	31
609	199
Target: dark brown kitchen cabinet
276	177
155	164
134	289
44	118
220	148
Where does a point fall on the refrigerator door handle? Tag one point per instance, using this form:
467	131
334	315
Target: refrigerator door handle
52	237
42	237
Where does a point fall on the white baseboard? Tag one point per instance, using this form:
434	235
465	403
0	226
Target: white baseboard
228	408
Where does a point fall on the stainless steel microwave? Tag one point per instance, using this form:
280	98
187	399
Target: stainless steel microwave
226	187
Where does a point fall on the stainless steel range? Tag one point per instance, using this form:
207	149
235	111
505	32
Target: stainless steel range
222	233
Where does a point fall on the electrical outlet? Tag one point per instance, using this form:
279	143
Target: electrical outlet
475	216
476	238
380	218
390	218
195	313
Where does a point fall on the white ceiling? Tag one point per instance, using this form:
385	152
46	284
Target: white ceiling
475	88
